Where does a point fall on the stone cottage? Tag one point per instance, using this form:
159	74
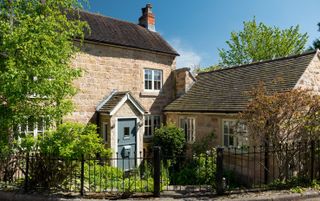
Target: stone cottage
129	77
213	102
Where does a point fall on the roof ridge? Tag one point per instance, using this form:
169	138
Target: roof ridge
262	62
152	41
116	19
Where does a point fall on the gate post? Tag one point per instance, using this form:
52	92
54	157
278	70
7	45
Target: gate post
219	174
156	171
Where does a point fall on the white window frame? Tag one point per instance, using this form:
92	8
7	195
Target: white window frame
152	125
240	135
190	132
35	131
152	79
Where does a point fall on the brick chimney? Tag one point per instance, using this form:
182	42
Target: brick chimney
147	19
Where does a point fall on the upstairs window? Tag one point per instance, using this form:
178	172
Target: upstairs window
188	125
152	80
151	122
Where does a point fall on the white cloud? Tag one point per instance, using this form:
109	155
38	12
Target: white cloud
188	57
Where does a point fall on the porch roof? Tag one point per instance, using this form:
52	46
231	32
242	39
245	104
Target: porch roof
115	100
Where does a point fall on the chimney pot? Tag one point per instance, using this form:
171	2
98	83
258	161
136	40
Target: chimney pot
147	20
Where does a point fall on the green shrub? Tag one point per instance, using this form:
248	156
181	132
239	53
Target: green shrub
200	169
72	140
56	154
171	139
102	177
204	144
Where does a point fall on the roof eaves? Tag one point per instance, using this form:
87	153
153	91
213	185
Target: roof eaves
131	46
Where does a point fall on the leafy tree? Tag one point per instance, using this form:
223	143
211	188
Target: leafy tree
171	139
36	48
207	69
258	42
278	118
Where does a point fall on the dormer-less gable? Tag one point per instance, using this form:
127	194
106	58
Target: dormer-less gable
310	79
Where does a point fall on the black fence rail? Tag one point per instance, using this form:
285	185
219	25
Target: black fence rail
35	172
145	173
190	173
217	171
278	166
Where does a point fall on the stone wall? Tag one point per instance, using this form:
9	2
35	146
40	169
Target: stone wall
206	124
106	68
310	79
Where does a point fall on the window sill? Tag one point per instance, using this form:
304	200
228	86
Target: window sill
150	93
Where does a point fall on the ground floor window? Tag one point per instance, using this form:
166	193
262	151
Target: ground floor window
235	134
188	125
151	122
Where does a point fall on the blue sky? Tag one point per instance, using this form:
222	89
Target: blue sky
197	28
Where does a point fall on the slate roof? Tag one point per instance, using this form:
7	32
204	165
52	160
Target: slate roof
113	100
117	32
226	90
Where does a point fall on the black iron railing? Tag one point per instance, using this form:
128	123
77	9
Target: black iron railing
277	166
216	171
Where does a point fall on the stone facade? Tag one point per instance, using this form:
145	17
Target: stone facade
310	79
205	124
106	68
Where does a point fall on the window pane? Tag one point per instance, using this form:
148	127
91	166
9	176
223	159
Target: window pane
40	125
148	74
156	121
149	84
226	141
231	141
150	131
225	127
157	75
126	131
146	125
157	85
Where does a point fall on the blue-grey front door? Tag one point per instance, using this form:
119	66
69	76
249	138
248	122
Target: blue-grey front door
127	143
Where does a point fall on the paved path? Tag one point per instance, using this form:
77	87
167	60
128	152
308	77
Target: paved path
309	195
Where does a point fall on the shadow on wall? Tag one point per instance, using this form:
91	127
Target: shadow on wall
105	51
165	97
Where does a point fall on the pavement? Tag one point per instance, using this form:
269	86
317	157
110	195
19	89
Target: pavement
307	195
